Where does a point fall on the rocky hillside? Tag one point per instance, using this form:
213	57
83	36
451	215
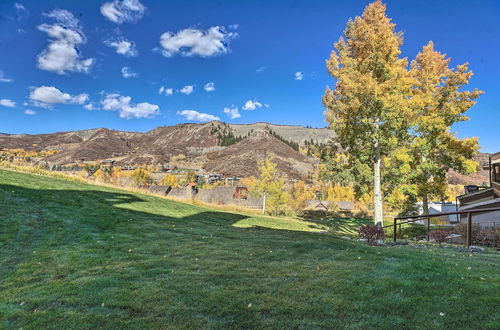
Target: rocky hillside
214	147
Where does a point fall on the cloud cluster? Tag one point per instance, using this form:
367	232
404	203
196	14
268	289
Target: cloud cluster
196	116
29	112
165	91
195	42
232	112
127	109
299	75
252	105
62	54
123	47
128	73
7	103
3	78
123	11
47	96
187	89
209	87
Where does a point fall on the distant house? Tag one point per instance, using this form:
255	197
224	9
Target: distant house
168	168
214	177
476	197
440	207
107	162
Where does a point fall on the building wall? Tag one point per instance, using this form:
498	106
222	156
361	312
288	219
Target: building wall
488	219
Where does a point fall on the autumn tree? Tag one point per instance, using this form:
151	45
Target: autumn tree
440	101
170	180
141	177
368	108
270	187
301	193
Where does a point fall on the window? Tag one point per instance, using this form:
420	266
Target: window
496	172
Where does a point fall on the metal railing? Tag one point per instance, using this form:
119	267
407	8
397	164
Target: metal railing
469	213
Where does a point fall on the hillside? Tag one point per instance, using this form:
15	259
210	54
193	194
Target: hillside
201	144
83	256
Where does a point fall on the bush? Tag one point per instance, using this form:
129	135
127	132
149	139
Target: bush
141	177
371	233
489	237
170	180
461	229
439	235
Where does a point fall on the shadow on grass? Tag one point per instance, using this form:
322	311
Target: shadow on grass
338	225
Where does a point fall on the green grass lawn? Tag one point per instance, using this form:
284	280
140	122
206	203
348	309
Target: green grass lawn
82	256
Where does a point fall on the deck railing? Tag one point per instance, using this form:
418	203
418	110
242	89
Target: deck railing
413	218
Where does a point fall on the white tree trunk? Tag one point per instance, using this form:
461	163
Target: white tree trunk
264	203
377	192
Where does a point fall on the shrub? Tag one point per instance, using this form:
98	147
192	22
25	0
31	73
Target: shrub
371	233
461	229
489	237
439	235
414	230
170	180
141	177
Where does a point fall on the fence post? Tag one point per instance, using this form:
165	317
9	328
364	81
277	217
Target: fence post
394	231
428	227
469	229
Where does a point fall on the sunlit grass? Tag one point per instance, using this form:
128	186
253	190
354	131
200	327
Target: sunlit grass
82	256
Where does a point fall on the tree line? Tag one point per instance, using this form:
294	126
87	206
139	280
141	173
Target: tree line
392	116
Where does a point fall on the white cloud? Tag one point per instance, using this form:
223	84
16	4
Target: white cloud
46	96
123	11
126	109
232	112
262	68
128	73
30	112
187	89
3	78
209	87
21	11
89	106
7	103
252	105
299	75
196	116
62	54
165	91
195	42
233	26
123	47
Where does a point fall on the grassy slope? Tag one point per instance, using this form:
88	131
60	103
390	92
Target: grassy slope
79	256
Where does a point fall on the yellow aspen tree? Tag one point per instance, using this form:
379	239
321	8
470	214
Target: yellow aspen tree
369	108
440	101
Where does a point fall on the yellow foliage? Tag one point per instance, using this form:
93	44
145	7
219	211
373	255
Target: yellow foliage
178	157
341	193
301	194
170	180
141	177
101	175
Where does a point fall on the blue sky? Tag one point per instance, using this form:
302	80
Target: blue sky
265	60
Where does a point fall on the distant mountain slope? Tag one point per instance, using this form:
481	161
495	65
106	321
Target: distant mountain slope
241	159
200	144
